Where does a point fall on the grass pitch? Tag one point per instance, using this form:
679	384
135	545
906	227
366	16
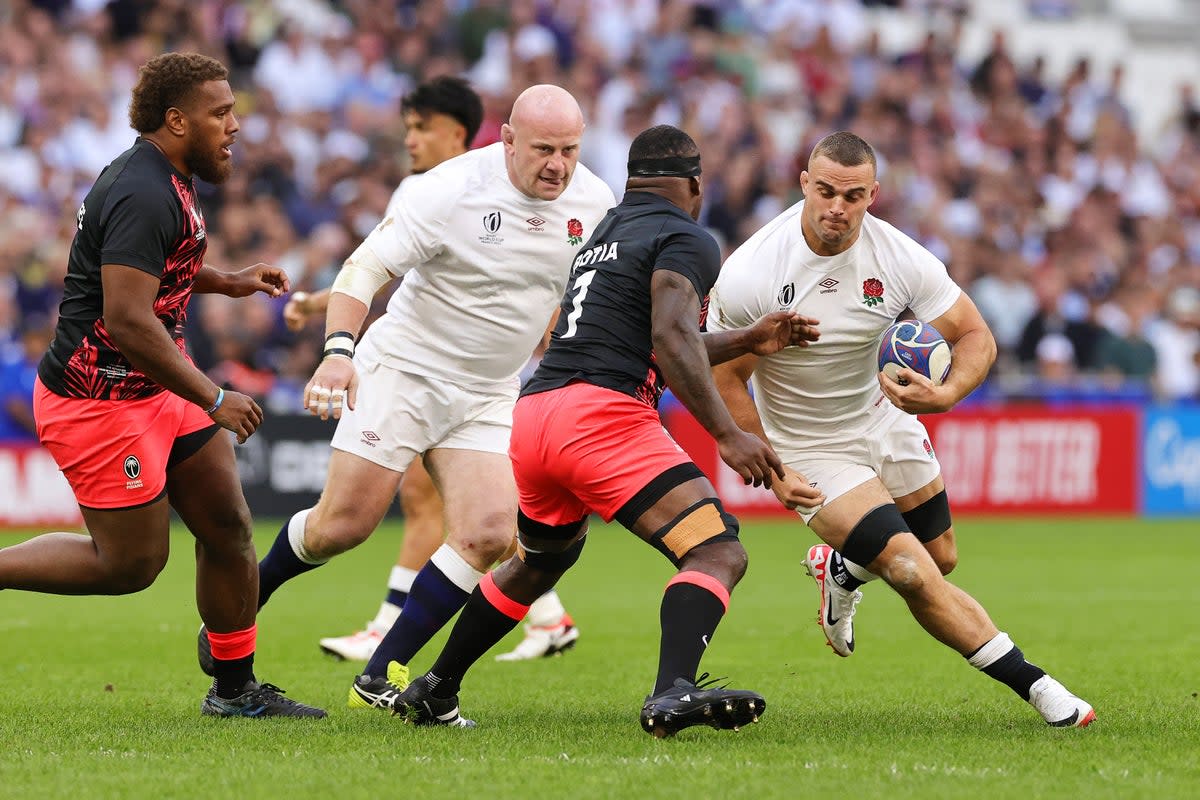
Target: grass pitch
99	697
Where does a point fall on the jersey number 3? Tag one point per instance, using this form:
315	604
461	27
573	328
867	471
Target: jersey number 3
579	289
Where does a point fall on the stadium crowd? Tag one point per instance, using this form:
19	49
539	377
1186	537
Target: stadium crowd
1079	243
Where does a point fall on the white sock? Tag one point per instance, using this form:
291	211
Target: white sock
861	573
456	569
547	610
386	617
990	653
402	579
296	527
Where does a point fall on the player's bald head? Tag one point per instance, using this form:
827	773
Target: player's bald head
546	109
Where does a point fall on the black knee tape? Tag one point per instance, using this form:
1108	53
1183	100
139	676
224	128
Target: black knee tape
540	530
559	562
868	538
931	519
701	523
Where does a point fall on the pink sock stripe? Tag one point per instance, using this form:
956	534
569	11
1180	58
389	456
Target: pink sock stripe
503	603
704	582
231	646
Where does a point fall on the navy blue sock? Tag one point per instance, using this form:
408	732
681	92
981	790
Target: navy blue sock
279	566
396	597
432	602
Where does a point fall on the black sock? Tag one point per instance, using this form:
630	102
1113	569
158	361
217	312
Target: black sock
479	627
840	575
1013	671
689	615
280	565
230	677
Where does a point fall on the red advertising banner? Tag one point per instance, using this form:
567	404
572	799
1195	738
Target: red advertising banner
1014	459
1035	459
36	494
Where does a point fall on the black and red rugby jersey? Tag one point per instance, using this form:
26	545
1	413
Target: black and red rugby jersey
141	213
603	333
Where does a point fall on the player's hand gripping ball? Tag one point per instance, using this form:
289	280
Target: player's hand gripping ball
916	345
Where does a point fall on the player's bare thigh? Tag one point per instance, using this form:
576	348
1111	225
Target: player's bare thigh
944	548
356	496
479	495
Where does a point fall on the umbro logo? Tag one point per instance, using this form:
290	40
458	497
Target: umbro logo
536	223
828	285
369	438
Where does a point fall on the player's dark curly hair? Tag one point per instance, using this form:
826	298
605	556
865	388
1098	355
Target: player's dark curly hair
662	141
845	148
166	81
447	95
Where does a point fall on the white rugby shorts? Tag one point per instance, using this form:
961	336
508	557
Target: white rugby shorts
895	448
398	415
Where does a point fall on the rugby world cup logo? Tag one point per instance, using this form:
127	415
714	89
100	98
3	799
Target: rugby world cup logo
491	221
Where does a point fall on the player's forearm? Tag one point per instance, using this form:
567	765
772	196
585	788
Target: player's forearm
210	280
146	344
680	353
344	313
724	346
974	354
737	399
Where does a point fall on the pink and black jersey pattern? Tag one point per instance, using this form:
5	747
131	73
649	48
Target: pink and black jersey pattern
143	214
603	333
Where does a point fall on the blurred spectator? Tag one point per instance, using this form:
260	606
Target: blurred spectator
1176	340
17	375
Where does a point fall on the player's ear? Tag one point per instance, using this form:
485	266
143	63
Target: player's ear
507	134
175	121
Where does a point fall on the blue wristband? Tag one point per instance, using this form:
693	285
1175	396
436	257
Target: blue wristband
216	403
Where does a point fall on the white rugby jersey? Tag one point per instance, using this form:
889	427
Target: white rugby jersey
820	395
484	267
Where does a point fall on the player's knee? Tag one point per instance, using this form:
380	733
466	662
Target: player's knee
946	559
904	574
134	574
328	535
489	535
697	531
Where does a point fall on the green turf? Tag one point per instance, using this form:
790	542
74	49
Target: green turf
99	696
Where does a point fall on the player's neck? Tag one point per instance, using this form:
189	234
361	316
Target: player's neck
176	161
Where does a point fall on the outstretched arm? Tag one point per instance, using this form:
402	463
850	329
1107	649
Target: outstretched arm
770	334
681	354
258	278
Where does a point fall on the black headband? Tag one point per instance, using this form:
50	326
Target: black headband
667	167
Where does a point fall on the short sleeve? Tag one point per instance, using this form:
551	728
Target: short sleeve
138	227
934	291
412	232
694	254
733	303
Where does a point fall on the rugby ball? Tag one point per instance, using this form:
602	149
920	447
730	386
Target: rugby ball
916	345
